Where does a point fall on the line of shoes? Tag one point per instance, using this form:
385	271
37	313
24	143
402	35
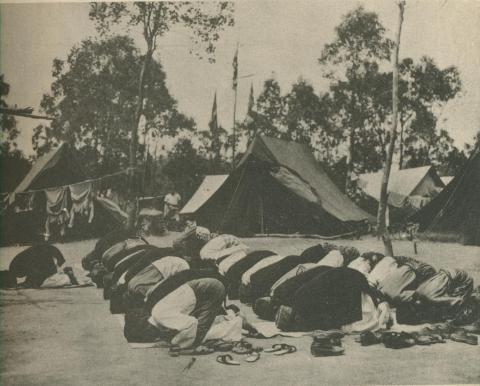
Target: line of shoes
251	353
437	333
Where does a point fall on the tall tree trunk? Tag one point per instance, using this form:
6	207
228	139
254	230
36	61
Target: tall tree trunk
381	219
132	210
349	161
400	150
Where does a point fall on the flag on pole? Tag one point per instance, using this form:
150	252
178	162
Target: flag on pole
213	120
251	101
214	131
235	69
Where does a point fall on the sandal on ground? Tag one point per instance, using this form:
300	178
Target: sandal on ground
242	347
252	357
226	359
289	349
276	347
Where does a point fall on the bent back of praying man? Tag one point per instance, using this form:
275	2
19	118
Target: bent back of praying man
36	264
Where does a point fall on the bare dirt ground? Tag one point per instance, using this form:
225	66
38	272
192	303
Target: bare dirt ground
68	337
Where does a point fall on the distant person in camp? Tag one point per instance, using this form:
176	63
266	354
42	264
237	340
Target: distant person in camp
36	264
172	205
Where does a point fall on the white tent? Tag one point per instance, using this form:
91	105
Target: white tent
207	188
421	182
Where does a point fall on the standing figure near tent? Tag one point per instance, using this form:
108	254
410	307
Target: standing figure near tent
172	205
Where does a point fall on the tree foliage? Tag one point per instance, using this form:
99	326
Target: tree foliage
204	20
93	98
8	127
351	62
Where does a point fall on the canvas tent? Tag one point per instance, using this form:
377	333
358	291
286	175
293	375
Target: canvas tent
408	190
455	213
446	179
207	188
279	187
27	204
58	167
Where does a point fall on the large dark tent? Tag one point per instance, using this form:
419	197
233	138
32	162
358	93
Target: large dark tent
58	167
279	187
455	213
23	219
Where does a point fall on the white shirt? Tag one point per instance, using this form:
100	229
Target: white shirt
170	265
173	312
333	259
172	199
361	265
383	268
229	261
221	246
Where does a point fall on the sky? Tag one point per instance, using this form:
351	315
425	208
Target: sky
278	38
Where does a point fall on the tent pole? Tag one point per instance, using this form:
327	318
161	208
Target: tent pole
262	229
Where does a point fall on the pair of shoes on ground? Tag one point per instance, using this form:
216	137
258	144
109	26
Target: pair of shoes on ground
327	343
462	336
397	340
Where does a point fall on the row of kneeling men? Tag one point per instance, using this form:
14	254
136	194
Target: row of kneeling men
178	292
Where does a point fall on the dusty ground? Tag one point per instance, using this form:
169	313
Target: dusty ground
68	337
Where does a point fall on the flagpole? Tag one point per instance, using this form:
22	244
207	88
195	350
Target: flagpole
234	126
235	84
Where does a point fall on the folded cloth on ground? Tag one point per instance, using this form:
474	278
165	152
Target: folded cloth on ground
269	330
61	279
373	317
